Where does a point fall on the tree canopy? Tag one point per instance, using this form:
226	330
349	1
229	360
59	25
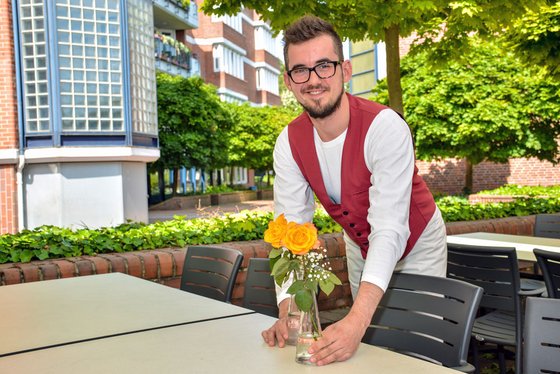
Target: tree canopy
194	126
254	134
443	25
536	38
490	109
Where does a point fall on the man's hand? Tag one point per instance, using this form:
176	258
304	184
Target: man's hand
341	340
279	331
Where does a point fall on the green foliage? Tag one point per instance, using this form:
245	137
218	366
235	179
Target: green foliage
492	108
55	242
194	126
536	38
455	208
517	190
254	134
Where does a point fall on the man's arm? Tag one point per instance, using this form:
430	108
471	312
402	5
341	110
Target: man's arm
341	339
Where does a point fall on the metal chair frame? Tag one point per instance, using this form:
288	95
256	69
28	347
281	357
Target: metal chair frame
549	263
260	290
541	349
495	269
427	317
547	226
211	271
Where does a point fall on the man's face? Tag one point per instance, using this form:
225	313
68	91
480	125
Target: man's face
319	97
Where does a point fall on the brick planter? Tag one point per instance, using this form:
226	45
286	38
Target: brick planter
165	265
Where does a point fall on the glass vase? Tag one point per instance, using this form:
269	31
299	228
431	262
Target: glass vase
309	332
293	321
294	314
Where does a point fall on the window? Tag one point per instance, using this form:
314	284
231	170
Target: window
265	40
90	66
34	67
235	22
228	60
267	80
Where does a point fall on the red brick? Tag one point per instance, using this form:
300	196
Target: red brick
67	269
172	282
11	276
133	264
165	264
31	272
84	267
49	271
100	264
150	264
179	260
116	264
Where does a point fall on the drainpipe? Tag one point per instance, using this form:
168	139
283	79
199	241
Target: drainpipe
19	183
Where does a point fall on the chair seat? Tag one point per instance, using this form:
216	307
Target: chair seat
531	287
496	327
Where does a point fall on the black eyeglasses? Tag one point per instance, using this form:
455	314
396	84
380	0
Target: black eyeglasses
323	70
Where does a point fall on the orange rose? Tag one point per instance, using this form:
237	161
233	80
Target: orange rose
276	231
300	238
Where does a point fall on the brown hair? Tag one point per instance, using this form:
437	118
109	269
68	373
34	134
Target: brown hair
307	28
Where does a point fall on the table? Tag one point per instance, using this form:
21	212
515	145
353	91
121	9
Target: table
47	313
524	245
232	345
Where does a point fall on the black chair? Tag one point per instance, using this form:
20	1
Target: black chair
426	317
549	263
260	290
541	349
211	271
494	269
547	226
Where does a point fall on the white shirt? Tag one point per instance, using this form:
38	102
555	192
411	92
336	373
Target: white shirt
389	156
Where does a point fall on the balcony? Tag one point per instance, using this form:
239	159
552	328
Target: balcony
173	57
172	14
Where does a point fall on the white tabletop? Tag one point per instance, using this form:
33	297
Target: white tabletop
232	345
524	245
40	314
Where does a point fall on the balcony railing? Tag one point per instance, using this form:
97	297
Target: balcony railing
173	52
176	13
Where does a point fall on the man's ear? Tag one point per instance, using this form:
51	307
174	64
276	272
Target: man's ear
346	67
287	81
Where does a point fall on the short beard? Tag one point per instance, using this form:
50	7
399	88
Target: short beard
326	111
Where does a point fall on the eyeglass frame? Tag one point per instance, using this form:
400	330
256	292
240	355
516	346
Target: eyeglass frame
312	69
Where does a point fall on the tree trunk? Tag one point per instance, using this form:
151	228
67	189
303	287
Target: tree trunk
175	181
161	183
468	177
394	68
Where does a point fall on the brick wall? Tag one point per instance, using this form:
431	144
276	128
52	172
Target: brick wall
448	176
165	266
8	121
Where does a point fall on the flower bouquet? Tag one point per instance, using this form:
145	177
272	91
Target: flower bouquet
298	257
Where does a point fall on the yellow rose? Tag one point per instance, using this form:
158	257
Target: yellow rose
300	238
276	231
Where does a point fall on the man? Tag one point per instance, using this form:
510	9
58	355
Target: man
357	157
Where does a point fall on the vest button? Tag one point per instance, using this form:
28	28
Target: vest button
345	212
352	225
359	234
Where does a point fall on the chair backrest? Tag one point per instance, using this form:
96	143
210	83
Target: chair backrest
494	269
260	290
547	226
541	350
549	262
211	271
428	317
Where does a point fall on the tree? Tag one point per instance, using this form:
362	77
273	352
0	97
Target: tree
536	38
194	126
491	109
254	134
442	25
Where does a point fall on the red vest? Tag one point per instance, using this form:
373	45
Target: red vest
352	212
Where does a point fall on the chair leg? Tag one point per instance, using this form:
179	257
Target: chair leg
502	359
475	356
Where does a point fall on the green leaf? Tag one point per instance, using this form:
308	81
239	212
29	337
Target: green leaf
326	286
296	286
304	300
281	266
275	252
